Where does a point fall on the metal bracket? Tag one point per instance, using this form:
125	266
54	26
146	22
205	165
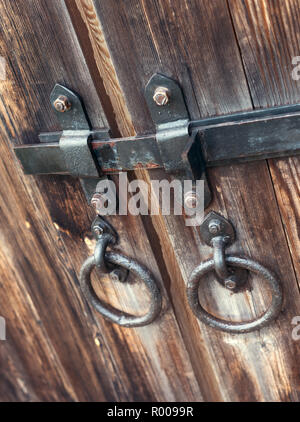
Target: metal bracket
182	147
69	151
106	235
179	152
218	233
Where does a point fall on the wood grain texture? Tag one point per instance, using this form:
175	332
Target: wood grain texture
269	38
134	238
194	42
15	383
103	62
45	236
38	293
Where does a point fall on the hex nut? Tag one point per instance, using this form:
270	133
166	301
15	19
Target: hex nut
191	200
161	96
230	283
97	202
214	226
62	104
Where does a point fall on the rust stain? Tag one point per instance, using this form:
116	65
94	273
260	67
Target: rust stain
147	165
153	165
99	144
110	170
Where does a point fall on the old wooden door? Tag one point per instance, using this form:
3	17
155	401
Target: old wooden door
228	56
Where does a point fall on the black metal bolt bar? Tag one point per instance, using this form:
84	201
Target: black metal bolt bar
224	141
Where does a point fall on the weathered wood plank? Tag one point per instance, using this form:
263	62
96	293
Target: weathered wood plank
15	384
194	42
37	297
269	37
170	365
45	237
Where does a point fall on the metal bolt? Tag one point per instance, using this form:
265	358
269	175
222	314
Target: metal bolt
62	104
190	200
98	231
230	283
119	275
97	202
214	226
161	96
114	276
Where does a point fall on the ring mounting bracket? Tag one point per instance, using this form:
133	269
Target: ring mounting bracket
180	153
219	233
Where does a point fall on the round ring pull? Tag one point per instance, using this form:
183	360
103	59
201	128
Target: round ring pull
228	326
121	318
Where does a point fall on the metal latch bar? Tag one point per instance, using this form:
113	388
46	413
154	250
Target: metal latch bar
180	146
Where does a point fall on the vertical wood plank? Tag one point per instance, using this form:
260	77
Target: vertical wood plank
194	42
269	38
39	297
45	236
165	363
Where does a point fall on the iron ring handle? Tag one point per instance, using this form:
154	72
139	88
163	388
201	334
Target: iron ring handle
116	316
228	326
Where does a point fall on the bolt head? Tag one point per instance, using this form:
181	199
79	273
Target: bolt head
161	96
191	200
62	104
119	274
98	231
97	202
230	283
116	276
214	227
